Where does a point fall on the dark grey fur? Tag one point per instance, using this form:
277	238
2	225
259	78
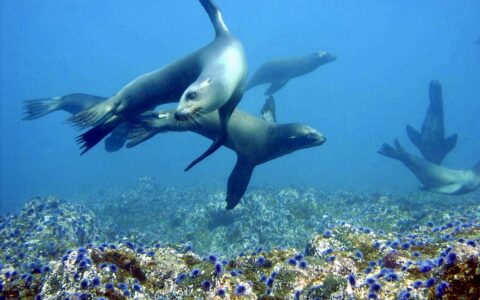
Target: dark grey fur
435	178
431	140
255	141
278	72
166	85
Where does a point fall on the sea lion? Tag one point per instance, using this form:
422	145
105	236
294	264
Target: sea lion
278	72
435	178
254	140
73	103
208	79
431	141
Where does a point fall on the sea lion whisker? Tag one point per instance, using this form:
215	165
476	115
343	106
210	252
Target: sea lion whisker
196	118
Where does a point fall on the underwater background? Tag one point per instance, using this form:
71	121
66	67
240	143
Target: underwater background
387	53
143	205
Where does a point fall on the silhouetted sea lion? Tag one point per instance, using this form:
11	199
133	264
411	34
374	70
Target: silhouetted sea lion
255	141
208	79
73	103
431	141
278	72
435	178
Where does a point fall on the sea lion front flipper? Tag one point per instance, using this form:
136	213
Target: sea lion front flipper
275	86
215	16
268	110
34	109
238	182
149	124
116	139
224	114
449	144
414	137
219	141
92	137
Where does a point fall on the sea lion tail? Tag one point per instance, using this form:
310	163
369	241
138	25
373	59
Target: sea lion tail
92	137
215	16
34	109
95	115
389	151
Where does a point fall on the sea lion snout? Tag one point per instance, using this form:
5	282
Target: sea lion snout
316	137
181	115
326	57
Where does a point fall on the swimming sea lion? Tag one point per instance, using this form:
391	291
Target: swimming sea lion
209	78
224	73
279	72
255	141
73	103
435	178
431	141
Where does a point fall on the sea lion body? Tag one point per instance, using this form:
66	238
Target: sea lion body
278	72
255	141
435	178
203	81
431	140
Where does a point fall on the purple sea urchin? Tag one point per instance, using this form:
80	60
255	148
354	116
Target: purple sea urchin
240	290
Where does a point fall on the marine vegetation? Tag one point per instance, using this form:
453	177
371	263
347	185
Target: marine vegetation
288	243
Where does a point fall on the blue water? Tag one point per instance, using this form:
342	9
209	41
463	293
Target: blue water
388	51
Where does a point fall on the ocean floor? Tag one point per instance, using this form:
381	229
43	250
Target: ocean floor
160	242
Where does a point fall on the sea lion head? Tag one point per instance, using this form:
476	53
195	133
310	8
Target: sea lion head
199	98
293	137
322	57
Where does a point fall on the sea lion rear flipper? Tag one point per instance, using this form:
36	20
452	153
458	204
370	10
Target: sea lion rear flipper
389	151
117	139
449	143
268	110
275	86
92	137
34	109
238	182
414	136
95	115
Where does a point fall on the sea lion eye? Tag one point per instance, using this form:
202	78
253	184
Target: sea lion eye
192	95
